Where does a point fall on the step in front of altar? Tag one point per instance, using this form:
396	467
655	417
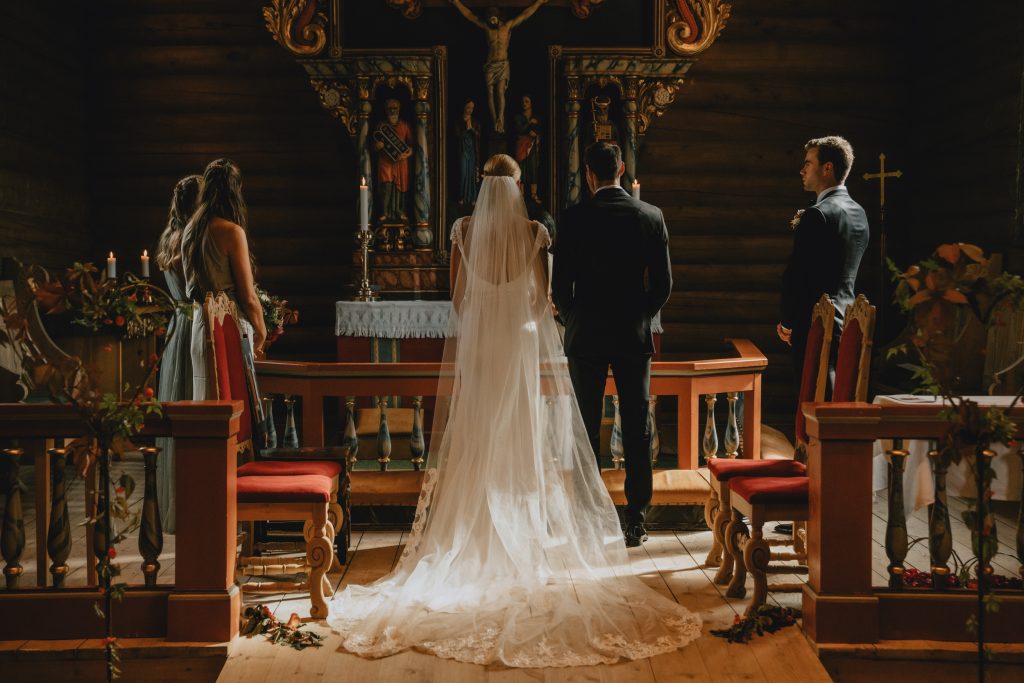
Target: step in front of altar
402	487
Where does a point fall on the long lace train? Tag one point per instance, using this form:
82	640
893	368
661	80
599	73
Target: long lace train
516	555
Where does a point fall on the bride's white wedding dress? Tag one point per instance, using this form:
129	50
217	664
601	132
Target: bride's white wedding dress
516	555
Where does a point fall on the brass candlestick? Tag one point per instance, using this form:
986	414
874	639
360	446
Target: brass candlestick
365	292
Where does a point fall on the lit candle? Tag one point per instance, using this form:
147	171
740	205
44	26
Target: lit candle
111	266
364	206
145	263
636	189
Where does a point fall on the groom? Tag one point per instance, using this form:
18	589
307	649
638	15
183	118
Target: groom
605	248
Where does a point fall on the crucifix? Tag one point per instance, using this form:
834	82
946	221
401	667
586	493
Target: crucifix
880	177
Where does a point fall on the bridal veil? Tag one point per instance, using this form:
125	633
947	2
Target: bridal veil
516	555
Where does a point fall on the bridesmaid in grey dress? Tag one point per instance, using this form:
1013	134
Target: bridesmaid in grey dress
216	257
176	364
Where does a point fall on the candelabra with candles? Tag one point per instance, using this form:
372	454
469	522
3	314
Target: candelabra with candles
365	292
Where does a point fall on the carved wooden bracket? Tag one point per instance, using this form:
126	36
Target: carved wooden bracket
297	25
693	25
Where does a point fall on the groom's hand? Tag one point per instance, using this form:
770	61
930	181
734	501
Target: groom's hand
785	335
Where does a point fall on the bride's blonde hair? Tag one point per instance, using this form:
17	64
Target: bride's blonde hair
502	165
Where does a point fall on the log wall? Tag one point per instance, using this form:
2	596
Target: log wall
44	116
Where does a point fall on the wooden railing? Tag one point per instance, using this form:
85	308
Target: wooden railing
688	381
203	603
841	604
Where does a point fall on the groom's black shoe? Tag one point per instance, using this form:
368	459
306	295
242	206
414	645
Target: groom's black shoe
635	534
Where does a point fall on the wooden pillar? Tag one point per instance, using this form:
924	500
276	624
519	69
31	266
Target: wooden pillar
573	181
838	602
688	424
204	605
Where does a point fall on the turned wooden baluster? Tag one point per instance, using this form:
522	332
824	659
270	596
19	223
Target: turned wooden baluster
291	434
710	442
351	438
101	528
940	537
270	428
615	442
151	533
896	528
58	534
983	510
12	536
383	436
652	425
416	444
732	428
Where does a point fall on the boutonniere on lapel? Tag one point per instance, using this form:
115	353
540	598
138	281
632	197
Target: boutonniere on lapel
795	221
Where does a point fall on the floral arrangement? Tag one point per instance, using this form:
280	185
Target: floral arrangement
941	294
133	307
276	315
767	619
126	307
260	619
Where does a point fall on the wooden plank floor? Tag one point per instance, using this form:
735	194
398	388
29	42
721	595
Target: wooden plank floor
669	562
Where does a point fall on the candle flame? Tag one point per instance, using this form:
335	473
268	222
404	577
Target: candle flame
362	182
111	255
145	252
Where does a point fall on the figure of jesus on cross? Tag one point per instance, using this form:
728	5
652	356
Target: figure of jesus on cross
496	68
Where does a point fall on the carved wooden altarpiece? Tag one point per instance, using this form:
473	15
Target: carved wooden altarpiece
637	83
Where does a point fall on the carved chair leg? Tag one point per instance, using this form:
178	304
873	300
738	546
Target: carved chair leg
756	556
736	534
725	570
799	538
319	554
711	510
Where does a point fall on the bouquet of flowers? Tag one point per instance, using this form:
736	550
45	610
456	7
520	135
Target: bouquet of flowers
276	315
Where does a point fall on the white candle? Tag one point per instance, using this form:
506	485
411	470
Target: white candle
111	266
364	206
636	189
145	263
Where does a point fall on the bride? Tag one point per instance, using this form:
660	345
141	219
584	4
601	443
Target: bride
516	556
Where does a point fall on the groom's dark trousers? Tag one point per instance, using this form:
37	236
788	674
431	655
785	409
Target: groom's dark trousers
611	275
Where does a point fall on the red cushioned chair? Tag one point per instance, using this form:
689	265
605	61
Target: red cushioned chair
813	380
272	490
227	370
772	498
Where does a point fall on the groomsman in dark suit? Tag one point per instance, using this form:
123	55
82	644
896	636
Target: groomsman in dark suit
605	248
829	240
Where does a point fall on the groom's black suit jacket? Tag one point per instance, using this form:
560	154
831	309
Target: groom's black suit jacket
605	246
828	245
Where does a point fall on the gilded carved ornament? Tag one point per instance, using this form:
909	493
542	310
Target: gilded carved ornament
287	18
693	25
336	98
654	98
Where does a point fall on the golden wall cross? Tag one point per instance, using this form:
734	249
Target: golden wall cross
881	176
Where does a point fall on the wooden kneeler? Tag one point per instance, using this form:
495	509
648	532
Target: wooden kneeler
287	498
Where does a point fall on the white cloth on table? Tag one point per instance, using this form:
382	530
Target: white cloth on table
918	481
393	319
404	319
